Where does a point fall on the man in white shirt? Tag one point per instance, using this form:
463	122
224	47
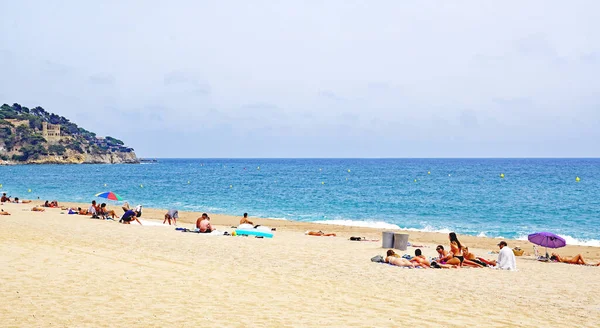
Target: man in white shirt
506	258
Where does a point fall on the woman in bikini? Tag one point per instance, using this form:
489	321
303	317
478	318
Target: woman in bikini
456	253
393	259
577	259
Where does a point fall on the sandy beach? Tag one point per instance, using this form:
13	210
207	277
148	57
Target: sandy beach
73	271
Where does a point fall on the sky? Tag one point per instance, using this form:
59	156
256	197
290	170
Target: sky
255	79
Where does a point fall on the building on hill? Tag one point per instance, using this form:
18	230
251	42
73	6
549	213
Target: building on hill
51	132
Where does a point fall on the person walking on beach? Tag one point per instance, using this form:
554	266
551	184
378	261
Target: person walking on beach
172	214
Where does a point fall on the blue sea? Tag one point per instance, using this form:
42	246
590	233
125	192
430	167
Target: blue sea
468	196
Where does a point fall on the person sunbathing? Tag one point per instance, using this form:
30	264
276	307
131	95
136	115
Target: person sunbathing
4	213
18	201
105	213
38	209
394	259
577	259
319	233
420	259
47	204
471	260
245	220
203	224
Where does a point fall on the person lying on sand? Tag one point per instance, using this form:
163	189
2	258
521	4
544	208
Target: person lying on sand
38	209
319	233
577	259
420	259
129	216
172	214
18	201
394	259
4	213
203	224
471	260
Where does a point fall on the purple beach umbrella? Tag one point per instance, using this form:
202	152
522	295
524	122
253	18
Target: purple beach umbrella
547	239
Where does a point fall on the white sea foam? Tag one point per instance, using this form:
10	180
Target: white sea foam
364	224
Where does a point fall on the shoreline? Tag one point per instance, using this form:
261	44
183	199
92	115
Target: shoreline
430	238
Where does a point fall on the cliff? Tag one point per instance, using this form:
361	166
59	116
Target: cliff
34	136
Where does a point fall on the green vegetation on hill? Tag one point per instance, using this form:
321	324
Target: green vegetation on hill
26	141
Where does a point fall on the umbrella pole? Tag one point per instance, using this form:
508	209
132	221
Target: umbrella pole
547	252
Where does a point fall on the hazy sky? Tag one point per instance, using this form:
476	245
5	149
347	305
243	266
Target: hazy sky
313	78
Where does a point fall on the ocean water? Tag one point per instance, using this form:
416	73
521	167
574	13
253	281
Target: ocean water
463	195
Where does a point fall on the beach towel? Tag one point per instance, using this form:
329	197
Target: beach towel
72	212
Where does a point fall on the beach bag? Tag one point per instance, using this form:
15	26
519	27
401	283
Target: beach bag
378	259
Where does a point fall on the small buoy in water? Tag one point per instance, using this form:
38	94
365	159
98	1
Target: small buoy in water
323	182
576	179
501	175
230	186
141	186
428	172
258	168
0	185
28	190
320	169
188	182
415	180
346	179
105	184
449	175
348	170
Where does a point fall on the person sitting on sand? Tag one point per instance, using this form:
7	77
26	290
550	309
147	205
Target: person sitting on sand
54	203
128	217
245	220
4	213
203	224
94	210
319	233
506	258
4	198
420	259
46	204
172	214
393	259
455	257
105	213
577	259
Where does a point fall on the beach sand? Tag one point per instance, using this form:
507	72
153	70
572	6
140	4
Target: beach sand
73	271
